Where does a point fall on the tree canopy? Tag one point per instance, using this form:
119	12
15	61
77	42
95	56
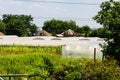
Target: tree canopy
20	25
109	17
57	26
86	29
101	32
2	26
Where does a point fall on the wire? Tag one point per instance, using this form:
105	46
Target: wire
65	18
70	18
57	2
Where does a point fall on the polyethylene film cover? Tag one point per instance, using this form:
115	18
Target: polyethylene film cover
78	51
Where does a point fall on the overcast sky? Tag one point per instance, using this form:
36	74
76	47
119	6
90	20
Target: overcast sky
80	13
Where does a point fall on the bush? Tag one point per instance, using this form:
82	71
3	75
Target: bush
108	70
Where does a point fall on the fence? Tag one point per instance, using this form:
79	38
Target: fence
26	76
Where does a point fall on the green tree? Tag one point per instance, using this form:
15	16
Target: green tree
32	30
58	26
109	17
2	26
86	30
99	33
20	25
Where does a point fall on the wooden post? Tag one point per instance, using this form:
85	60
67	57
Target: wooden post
94	55
28	78
9	78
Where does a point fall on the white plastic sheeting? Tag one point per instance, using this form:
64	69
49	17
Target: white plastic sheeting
82	50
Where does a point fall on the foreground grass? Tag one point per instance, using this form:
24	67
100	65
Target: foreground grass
48	64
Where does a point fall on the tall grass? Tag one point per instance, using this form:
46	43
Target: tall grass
29	49
28	59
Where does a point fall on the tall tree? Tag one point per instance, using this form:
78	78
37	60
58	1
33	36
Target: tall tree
99	33
57	26
86	30
2	26
20	25
109	17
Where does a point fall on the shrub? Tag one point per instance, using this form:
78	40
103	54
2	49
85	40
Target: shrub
108	70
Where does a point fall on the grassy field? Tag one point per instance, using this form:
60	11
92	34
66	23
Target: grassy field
27	59
47	63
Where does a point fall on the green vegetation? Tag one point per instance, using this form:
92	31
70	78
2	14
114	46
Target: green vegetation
20	25
5	50
86	30
88	70
109	17
47	63
28	60
100	32
58	26
2	26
